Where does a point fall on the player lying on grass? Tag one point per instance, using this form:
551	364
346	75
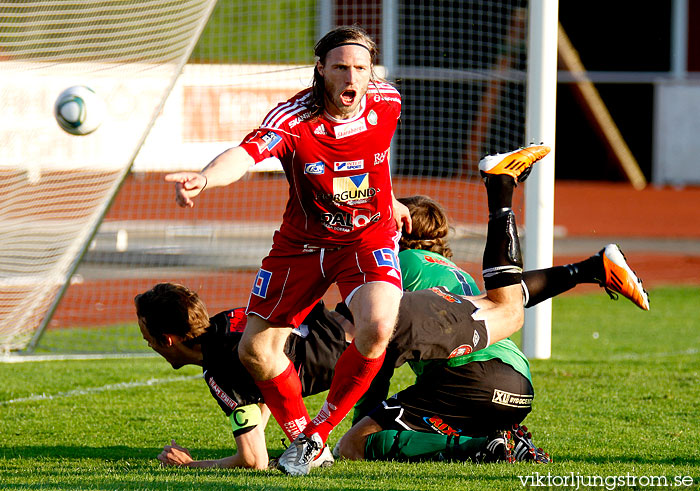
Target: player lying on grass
174	322
492	382
180	330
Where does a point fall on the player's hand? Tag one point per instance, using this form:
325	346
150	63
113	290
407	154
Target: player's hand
402	217
174	454
187	186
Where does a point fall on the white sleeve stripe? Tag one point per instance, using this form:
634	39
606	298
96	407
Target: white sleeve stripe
290	108
285	106
274	113
281	118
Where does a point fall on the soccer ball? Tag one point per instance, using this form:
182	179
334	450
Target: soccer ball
79	110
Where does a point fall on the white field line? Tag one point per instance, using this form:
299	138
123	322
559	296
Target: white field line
104	388
85	356
636	356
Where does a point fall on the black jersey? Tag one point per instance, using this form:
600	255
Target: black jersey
433	324
314	347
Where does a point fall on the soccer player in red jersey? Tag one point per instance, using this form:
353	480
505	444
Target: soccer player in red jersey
341	225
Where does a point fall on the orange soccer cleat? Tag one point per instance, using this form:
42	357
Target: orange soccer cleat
516	164
619	277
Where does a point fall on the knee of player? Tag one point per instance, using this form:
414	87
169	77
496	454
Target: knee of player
375	334
351	447
253	358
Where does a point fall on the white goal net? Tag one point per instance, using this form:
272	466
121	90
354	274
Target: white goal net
460	67
56	186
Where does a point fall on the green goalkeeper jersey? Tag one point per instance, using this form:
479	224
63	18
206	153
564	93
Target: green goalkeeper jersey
425	269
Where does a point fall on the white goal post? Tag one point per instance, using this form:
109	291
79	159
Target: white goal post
539	191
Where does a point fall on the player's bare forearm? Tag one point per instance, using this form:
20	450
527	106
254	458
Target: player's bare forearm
252	454
228	167
225	169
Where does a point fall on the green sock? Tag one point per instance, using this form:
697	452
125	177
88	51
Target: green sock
417	446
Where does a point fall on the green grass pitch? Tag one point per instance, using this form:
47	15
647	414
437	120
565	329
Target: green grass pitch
617	402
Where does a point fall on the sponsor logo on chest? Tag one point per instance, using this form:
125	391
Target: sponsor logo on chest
349	129
315	168
353	189
350	165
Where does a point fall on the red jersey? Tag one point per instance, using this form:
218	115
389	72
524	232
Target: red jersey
338	170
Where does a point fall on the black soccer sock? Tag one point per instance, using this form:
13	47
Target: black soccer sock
503	262
499	191
542	284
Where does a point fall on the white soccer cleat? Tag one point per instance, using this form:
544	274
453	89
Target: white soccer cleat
619	277
297	460
324	459
517	164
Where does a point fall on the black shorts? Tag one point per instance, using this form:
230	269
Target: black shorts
474	399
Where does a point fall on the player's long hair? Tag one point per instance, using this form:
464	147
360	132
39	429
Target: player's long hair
333	39
429	226
169	308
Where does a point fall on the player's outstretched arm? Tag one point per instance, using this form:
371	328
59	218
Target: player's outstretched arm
251	454
225	169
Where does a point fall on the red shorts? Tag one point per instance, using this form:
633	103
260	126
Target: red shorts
287	287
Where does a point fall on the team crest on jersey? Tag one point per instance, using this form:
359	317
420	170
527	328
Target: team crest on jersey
350	165
268	141
372	117
461	350
353	189
315	168
262	283
349	129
